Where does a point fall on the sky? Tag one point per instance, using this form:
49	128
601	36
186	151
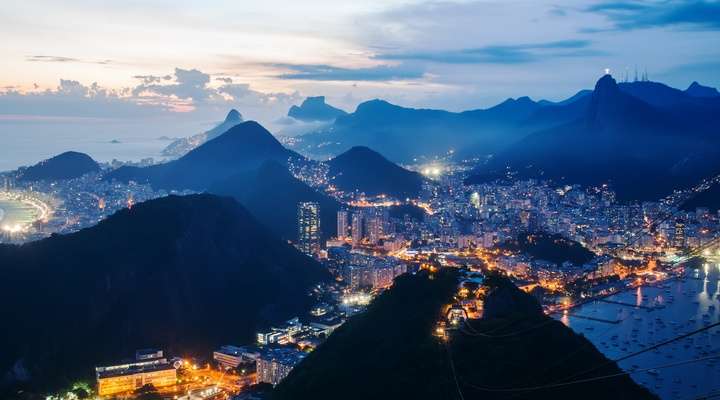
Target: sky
177	66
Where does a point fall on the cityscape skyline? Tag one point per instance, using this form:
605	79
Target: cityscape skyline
383	199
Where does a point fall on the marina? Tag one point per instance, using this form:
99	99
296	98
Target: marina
634	320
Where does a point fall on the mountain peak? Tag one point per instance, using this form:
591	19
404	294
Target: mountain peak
606	84
374	104
67	165
315	109
365	170
234	116
697	90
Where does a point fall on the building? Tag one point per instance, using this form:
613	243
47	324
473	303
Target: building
125	378
275	364
148	354
230	357
342	225
372	276
309	228
679	237
357	228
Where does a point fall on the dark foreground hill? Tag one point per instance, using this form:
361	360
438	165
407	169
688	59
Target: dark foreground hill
389	352
709	199
181	273
364	170
68	165
244	147
272	194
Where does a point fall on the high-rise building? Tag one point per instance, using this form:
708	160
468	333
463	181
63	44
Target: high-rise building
309	228
274	364
357	228
679	238
342	225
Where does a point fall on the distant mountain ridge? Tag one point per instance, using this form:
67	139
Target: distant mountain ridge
244	147
364	170
315	109
645	151
68	165
172	273
180	147
408	135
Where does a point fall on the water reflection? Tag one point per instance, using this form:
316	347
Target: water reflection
649	315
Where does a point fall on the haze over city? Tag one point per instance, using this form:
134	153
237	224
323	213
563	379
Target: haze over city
360	200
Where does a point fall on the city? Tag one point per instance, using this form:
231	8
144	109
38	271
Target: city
528	230
384	199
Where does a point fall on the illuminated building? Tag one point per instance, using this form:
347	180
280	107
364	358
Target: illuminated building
371	276
309	228
125	378
342	225
376	225
679	238
148	354
281	335
229	356
357	229
275	364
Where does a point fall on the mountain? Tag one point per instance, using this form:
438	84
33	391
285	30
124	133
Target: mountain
68	165
315	109
388	352
244	147
407	134
364	170
179	273
180	147
645	151
709	199
663	96
697	90
272	194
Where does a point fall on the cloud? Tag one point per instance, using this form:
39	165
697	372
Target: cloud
190	84
322	72
697	14
61	59
148	79
73	99
155	96
501	54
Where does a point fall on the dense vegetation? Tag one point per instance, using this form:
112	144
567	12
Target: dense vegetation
181	273
272	194
549	247
709	199
68	165
364	170
389	352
